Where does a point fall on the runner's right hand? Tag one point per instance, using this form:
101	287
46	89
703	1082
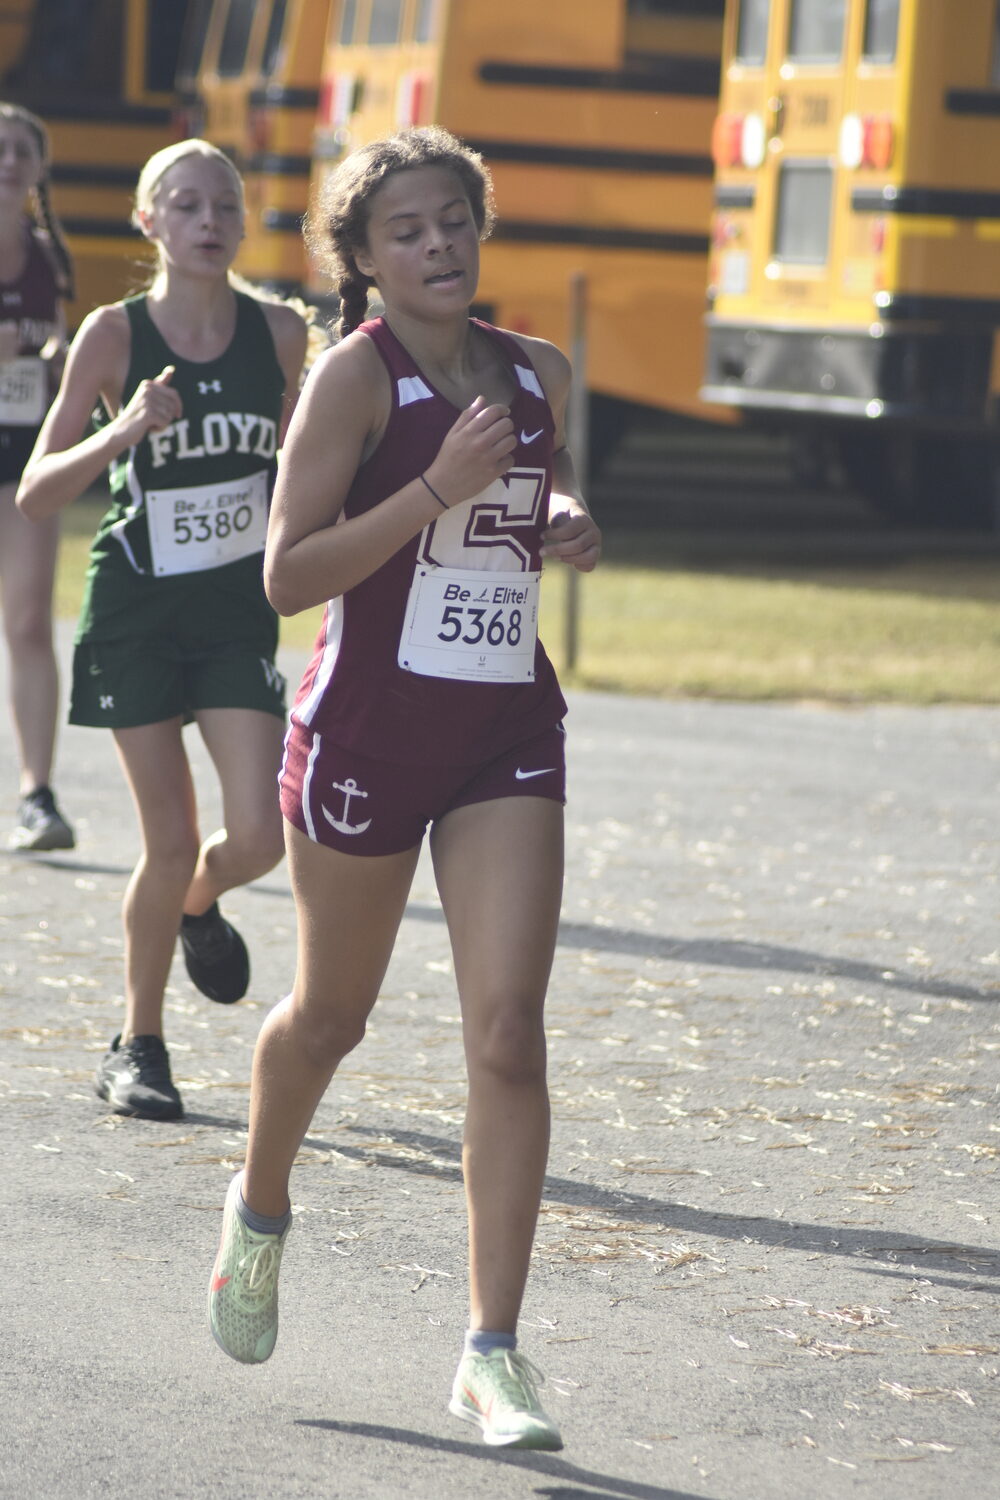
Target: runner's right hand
477	449
154	405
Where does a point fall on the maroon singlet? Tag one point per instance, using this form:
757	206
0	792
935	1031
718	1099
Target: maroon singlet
357	690
32	301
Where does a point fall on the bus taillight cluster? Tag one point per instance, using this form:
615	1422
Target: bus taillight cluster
867	141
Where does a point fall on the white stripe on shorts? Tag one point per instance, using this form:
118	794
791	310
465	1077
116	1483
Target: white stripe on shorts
307	787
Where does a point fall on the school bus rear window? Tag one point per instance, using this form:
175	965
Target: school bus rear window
802	225
348	18
273	39
751	34
816	32
881	28
233	49
383	29
424	24
163	38
193	44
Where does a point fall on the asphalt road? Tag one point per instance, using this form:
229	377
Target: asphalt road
767	1261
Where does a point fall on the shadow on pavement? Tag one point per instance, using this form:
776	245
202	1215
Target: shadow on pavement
712	952
556	1468
880	1246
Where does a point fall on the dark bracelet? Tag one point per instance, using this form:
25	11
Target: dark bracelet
433	491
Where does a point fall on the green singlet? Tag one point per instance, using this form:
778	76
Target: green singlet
174	616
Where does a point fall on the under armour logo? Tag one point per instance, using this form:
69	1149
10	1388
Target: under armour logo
107	700
204	386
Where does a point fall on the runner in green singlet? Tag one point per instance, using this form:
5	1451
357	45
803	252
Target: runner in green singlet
196	381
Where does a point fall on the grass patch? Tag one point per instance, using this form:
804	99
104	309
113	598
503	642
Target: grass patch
894	630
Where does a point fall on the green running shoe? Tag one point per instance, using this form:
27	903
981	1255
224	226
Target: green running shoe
499	1393
243	1292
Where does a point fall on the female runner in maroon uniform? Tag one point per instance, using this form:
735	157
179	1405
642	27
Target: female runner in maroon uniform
424	477
36	275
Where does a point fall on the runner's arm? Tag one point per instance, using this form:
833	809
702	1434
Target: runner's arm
572	535
312	555
291	336
63	463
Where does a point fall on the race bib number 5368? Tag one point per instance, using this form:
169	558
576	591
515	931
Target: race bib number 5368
471	625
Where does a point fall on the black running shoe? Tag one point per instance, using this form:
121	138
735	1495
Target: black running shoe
40	824
135	1078
216	956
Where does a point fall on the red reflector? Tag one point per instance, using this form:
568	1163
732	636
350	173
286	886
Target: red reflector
259	130
727	140
880	141
412	97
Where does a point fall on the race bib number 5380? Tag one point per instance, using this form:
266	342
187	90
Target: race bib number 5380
208	525
471	625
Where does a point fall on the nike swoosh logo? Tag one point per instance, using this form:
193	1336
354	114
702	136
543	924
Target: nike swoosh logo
520	775
530	437
218	1282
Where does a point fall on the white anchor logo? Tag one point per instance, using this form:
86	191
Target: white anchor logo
204	386
349	789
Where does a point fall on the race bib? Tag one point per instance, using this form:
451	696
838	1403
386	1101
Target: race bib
207	525
23	390
471	625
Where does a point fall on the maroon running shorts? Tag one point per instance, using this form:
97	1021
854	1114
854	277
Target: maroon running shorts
351	802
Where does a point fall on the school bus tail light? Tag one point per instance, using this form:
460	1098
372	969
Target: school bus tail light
339	97
259	130
753	141
727	139
411	98
867	141
739	140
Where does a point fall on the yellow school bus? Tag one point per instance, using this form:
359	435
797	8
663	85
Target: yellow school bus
101	76
248	80
595	117
854	277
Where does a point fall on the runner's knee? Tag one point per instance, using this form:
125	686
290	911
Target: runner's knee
509	1045
28	627
326	1033
255	840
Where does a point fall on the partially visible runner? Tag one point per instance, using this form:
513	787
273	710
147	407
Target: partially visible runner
425	477
36	276
197	380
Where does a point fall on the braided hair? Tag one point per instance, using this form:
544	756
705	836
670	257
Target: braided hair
337	226
43	214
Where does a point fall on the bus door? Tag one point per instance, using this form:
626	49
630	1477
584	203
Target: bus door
793	146
252	88
380	73
100	73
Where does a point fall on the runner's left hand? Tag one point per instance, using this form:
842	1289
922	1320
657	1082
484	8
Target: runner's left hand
573	537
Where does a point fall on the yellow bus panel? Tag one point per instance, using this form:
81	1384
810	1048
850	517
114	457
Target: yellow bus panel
595	117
